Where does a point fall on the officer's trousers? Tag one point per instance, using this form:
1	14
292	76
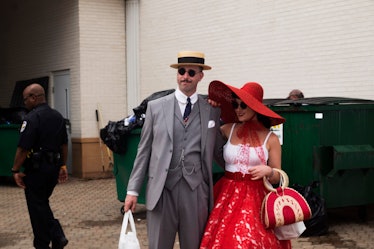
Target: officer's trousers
39	187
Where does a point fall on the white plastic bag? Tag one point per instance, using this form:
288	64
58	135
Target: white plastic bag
128	240
291	231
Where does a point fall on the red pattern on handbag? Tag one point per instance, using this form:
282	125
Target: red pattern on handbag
283	205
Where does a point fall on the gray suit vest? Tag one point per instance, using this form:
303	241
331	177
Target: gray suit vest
186	159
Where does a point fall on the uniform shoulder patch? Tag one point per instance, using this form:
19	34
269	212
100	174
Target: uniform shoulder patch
23	127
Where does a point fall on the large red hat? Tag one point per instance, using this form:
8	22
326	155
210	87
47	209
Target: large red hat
251	94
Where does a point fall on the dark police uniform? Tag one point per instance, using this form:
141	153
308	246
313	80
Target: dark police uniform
42	133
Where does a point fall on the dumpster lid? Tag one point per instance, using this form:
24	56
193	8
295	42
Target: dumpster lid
317	101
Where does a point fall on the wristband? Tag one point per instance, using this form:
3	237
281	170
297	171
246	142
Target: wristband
14	171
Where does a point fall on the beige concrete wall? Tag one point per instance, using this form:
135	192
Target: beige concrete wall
90	159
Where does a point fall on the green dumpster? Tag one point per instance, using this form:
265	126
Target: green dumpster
9	134
123	166
330	140
326	139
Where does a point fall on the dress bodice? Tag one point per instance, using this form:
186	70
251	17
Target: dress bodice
237	161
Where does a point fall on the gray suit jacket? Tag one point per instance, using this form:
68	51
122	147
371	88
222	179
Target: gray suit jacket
156	146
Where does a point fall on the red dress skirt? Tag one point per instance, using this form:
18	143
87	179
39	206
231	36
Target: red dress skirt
235	221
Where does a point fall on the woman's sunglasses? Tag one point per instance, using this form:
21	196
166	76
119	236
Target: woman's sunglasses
190	72
236	105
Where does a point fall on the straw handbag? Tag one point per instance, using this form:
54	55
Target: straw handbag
283	205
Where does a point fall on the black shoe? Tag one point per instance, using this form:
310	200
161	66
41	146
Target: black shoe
59	244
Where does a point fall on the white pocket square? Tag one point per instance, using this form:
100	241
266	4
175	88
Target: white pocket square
211	124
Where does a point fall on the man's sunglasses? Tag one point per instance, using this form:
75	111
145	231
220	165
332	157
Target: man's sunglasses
190	72
236	105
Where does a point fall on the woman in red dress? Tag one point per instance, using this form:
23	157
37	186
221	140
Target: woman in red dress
251	153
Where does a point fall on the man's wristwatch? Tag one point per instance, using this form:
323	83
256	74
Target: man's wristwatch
14	171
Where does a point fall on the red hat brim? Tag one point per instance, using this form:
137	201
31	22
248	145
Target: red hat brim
222	94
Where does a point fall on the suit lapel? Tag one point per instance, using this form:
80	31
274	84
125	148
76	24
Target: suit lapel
204	117
168	110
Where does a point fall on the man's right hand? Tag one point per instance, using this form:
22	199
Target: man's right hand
130	203
18	178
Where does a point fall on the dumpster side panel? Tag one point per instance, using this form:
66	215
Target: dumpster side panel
9	135
348	188
299	135
346	173
123	165
347	183
347	126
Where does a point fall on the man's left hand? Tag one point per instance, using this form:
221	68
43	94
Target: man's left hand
63	176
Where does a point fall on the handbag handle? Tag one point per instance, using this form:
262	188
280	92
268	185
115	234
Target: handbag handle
128	218
283	181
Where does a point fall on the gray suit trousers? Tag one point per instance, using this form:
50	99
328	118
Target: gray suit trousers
181	211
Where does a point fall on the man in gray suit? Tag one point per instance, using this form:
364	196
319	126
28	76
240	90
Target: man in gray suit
179	138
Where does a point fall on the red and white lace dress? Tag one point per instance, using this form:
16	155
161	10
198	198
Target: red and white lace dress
235	221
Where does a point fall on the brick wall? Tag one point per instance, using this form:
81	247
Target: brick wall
86	37
322	47
102	60
37	41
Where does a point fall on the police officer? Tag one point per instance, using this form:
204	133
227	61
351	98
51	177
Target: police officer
42	151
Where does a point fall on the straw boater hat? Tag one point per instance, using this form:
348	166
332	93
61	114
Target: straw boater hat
251	94
191	58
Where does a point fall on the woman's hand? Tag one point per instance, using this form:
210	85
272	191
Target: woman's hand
258	172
